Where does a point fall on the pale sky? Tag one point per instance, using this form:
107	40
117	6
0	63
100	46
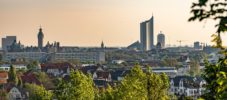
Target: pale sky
88	22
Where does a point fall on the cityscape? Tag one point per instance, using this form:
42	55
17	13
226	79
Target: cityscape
148	68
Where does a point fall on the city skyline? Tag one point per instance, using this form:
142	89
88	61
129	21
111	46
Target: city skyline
88	23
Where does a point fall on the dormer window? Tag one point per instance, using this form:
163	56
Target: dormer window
172	83
95	75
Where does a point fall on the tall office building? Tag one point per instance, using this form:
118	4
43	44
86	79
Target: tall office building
197	45
161	39
40	38
8	41
147	34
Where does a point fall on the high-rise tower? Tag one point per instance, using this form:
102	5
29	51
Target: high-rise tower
6	42
40	38
147	34
161	39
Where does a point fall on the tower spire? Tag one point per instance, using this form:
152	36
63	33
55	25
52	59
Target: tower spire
40	38
102	44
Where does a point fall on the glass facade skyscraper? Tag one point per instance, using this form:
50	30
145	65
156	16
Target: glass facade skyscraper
147	34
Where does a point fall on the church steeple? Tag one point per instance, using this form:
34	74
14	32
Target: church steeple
40	38
102	45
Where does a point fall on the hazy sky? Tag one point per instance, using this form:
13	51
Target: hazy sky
88	22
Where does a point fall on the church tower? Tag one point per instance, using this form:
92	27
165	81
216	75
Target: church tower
40	38
102	45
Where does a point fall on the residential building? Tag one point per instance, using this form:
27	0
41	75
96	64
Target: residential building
147	34
6	67
101	74
13	56
169	71
15	94
95	57
119	74
57	69
87	56
187	86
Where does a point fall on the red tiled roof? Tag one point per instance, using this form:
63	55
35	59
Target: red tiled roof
3	81
3	77
56	65
3	74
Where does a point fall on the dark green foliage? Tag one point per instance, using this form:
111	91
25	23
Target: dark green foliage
214	74
0	57
12	75
32	65
3	95
20	83
216	78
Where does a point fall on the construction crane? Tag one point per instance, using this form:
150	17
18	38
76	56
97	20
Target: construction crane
180	41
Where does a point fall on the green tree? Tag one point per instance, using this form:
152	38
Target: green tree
133	86
12	75
105	94
146	86
37	92
194	68
45	80
20	83
171	62
157	86
214	74
78	87
32	65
